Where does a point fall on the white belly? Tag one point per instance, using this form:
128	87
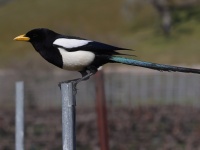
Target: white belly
76	61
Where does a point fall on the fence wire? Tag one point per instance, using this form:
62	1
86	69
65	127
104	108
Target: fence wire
130	88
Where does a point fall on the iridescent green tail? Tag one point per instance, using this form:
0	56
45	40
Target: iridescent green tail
154	66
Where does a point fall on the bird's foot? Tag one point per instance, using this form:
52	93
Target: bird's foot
74	83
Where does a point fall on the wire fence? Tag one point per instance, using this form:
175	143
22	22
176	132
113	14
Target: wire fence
122	88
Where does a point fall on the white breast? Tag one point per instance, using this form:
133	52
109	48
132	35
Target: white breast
76	61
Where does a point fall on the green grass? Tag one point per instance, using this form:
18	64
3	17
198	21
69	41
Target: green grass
98	20
182	47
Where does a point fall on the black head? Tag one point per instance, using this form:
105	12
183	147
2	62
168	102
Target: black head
39	35
42	40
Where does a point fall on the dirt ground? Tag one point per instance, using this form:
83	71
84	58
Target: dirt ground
141	128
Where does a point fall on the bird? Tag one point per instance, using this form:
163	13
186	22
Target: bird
85	56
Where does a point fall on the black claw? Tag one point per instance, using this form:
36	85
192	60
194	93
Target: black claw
74	82
59	85
68	81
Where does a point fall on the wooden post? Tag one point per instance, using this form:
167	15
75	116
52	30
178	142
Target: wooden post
101	111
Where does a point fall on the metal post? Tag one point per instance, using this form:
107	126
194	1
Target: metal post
68	115
19	118
101	111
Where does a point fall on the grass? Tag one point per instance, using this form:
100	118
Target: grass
182	47
98	20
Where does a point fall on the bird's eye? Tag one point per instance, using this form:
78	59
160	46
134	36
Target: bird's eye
34	35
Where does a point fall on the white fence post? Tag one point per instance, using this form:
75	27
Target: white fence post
19	118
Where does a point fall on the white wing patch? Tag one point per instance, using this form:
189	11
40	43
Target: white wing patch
76	61
70	43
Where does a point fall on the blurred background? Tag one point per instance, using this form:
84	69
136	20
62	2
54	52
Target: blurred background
146	109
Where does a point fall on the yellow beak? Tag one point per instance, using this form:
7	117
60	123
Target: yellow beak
21	38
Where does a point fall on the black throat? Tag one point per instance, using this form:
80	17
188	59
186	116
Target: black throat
49	53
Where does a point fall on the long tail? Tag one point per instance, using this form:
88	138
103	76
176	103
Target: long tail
154	66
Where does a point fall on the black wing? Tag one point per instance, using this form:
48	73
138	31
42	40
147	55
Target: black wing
74	44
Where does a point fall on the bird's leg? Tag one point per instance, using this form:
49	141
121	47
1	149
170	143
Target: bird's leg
85	76
83	73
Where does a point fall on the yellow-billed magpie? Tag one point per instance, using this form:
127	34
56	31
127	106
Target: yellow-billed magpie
86	56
